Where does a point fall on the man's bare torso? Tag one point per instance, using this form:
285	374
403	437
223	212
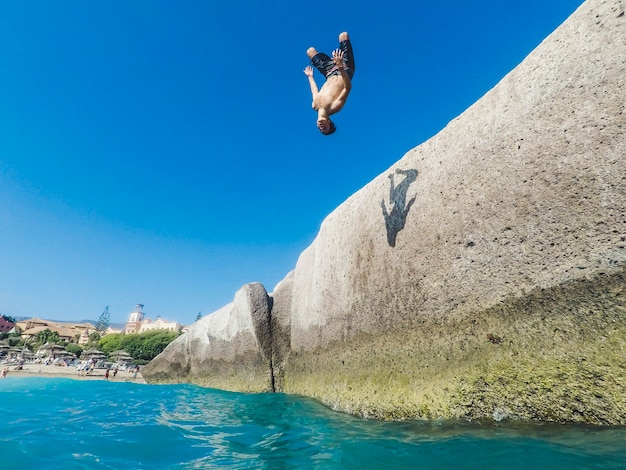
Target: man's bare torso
329	94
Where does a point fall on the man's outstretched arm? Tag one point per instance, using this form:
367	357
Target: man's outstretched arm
308	71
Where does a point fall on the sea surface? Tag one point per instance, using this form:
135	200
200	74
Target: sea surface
50	423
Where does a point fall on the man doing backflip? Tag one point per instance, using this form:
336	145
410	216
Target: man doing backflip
338	72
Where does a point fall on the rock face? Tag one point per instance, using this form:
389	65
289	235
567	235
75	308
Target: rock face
229	349
482	276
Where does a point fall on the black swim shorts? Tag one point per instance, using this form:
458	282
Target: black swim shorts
327	67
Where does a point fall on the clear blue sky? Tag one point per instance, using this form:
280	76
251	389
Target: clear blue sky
166	153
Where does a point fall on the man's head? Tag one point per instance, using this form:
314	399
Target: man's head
326	126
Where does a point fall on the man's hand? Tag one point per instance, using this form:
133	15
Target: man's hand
338	58
308	71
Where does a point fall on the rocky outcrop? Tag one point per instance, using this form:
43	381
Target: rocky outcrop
229	349
480	276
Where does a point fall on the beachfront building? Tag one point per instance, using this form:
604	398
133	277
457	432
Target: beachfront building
84	337
139	323
111	330
133	325
70	332
5	324
160	324
34	322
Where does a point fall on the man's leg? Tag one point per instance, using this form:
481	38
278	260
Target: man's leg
348	54
320	61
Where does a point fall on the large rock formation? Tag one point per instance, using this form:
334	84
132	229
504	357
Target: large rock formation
229	349
480	276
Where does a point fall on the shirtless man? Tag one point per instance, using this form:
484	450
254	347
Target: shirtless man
338	72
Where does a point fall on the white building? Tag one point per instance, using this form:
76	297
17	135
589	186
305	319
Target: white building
138	323
160	324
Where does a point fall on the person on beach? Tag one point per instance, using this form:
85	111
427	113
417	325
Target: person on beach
338	72
5	371
106	374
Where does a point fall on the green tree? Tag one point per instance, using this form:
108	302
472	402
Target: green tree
144	347
94	337
15	341
47	336
26	344
104	321
112	342
74	349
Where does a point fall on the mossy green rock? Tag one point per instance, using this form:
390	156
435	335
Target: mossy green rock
554	355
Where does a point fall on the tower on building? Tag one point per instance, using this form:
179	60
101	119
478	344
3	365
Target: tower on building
137	314
133	325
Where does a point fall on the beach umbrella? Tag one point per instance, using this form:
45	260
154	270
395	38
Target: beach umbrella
50	348
13	352
93	351
93	354
121	355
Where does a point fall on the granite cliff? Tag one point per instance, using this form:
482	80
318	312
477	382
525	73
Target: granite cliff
481	276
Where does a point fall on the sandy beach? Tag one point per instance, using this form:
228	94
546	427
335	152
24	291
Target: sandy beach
42	370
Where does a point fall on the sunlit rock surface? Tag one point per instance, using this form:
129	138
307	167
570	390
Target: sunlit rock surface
482	276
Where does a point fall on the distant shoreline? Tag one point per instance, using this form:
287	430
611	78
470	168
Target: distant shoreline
42	370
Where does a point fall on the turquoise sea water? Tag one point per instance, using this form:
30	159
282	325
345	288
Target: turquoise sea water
49	423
